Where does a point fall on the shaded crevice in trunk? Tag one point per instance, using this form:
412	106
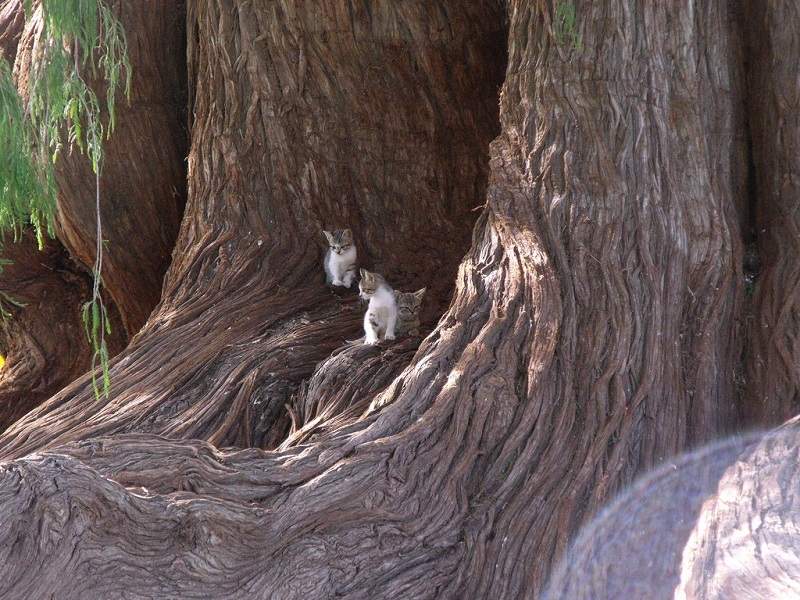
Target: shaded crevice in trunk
773	343
742	168
43	339
304	118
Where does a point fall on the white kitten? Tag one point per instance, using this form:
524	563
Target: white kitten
340	261
381	316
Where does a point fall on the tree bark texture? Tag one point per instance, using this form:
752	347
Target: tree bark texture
773	376
43	339
591	334
372	116
343	387
12	22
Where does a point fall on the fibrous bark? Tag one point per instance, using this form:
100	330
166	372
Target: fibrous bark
590	335
12	21
343	388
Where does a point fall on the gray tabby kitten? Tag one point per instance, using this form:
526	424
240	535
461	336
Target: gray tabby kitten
408	305
381	316
340	260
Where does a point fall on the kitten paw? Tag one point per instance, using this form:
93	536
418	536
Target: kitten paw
337	282
371	342
388	337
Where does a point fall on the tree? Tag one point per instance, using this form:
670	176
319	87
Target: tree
593	332
143	190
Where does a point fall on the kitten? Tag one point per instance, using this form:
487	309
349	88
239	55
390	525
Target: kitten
408	306
340	261
381	316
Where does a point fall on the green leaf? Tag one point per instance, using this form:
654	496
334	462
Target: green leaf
95	325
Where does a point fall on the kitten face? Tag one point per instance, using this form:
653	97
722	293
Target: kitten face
340	241
408	309
368	285
408	304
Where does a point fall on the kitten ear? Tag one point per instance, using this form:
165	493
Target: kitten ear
365	274
397	295
329	235
347	237
420	293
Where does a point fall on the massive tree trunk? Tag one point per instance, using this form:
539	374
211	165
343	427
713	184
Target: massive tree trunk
592	333
744	542
143	183
42	336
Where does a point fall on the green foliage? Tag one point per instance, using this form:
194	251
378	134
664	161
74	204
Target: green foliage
5	299
565	30
60	94
96	322
80	39
27	192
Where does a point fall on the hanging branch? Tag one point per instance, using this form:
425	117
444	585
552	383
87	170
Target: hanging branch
76	39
